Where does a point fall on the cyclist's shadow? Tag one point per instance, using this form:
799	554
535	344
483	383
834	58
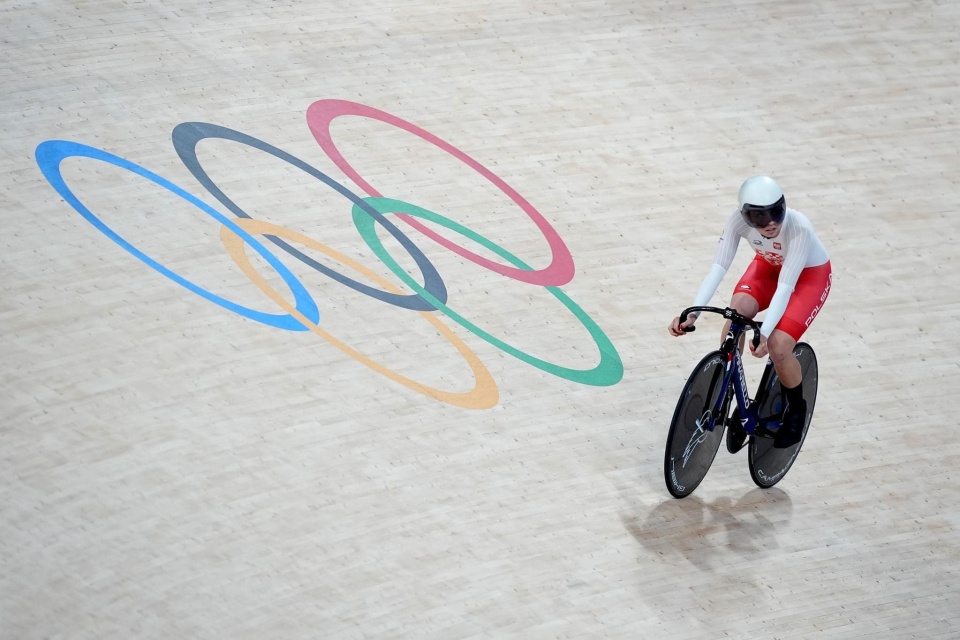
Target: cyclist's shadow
712	534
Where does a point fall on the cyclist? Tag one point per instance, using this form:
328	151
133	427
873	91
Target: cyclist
789	277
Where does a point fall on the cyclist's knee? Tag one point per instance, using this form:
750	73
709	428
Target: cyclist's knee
745	304
780	346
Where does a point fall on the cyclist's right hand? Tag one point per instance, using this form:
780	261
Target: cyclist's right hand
677	329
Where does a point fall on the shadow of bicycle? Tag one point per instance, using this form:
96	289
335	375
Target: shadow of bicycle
712	534
701	561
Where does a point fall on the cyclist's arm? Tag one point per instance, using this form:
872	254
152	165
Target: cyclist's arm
722	259
778	305
796	259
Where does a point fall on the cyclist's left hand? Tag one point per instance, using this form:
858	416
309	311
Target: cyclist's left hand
761	350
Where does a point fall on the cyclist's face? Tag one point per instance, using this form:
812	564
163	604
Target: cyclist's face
771	230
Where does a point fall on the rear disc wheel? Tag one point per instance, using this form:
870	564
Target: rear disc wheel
768	465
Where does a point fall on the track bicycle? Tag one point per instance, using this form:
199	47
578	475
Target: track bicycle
717	384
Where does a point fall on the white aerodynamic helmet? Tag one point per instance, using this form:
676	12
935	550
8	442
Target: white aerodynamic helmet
761	201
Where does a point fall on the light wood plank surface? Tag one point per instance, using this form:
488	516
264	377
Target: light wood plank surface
170	469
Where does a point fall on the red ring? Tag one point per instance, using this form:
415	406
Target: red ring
560	270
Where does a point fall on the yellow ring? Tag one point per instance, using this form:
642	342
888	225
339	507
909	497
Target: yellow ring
484	394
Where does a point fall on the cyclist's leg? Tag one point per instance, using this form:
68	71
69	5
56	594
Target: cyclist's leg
780	345
744	304
753	292
809	295
808	298
751	295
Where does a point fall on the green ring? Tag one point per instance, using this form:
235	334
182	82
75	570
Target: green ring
608	372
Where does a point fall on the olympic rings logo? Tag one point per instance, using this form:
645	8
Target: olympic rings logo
302	314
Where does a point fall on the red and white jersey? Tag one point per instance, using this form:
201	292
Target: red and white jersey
794	249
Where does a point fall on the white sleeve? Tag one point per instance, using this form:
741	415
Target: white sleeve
722	259
727	248
777	306
799	246
798	249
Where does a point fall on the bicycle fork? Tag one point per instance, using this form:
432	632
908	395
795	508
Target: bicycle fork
734	375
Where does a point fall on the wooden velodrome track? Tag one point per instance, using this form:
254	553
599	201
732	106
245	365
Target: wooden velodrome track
173	464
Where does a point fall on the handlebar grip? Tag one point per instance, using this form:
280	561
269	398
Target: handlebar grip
688	329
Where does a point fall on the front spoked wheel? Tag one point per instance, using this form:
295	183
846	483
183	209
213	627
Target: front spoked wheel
695	433
768	465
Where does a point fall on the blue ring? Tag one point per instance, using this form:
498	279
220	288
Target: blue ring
51	153
187	135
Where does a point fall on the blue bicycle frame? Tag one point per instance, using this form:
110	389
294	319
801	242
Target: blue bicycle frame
735	374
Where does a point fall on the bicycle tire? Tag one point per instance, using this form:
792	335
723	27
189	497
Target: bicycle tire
690	448
768	465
